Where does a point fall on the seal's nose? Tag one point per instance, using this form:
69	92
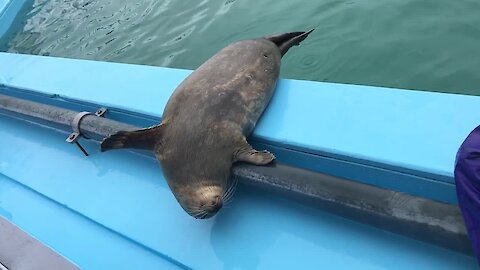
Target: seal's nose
215	204
218	203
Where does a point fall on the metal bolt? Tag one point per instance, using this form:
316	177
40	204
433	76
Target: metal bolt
101	111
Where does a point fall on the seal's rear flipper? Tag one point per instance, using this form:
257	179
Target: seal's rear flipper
288	40
141	139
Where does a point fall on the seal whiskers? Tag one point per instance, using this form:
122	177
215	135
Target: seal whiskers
228	195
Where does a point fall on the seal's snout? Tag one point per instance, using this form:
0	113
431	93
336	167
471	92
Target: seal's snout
288	40
209	201
215	205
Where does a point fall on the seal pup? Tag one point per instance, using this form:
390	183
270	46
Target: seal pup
207	119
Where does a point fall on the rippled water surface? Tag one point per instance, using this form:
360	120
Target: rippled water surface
414	44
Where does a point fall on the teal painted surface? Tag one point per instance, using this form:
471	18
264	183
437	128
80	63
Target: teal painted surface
388	132
3	5
114	210
413	44
81	240
8	13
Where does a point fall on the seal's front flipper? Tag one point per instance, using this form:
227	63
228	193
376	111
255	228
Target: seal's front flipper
141	139
246	153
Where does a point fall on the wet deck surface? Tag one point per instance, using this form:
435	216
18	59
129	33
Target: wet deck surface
116	207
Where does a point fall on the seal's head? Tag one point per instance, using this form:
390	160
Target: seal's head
202	201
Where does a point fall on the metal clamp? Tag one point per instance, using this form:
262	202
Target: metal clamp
73	137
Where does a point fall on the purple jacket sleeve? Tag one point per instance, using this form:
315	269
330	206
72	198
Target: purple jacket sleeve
467	180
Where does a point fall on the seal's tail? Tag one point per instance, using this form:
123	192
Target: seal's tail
140	139
288	40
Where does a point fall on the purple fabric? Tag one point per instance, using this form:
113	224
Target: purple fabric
467	180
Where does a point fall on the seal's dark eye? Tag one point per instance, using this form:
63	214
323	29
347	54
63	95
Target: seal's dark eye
265	55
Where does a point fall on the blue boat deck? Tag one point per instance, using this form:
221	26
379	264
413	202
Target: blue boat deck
114	210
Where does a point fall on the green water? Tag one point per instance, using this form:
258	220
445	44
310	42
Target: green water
413	44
